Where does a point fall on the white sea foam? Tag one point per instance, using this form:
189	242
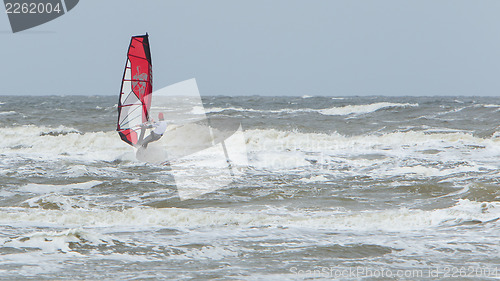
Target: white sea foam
210	253
241	109
490	105
198	110
363	109
396	153
55	201
345	110
398	219
34	264
52	143
335	143
48	188
57	241
319	178
7	112
272	149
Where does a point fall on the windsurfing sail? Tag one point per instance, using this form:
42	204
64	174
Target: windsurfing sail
135	95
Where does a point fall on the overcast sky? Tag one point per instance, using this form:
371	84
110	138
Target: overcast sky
273	47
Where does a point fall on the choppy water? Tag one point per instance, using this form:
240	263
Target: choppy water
374	185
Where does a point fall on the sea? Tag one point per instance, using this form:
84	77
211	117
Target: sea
335	188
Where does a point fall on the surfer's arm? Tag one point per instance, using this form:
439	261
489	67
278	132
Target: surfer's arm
147	125
152	124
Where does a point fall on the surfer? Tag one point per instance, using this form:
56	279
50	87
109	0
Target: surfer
159	128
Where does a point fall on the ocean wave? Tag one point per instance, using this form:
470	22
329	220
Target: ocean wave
7	112
62	142
79	241
489	105
313	179
286	149
400	219
241	109
293	140
363	109
345	110
48	188
198	110
59	241
408	154
492	106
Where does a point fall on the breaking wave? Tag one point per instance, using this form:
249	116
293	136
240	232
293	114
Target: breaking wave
398	219
344	110
364	109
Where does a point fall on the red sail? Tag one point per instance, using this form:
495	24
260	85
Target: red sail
135	94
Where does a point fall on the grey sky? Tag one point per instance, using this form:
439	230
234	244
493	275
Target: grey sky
285	47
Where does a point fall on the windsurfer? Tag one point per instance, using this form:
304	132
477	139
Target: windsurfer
159	129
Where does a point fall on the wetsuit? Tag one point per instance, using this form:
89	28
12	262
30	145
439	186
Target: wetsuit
159	128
